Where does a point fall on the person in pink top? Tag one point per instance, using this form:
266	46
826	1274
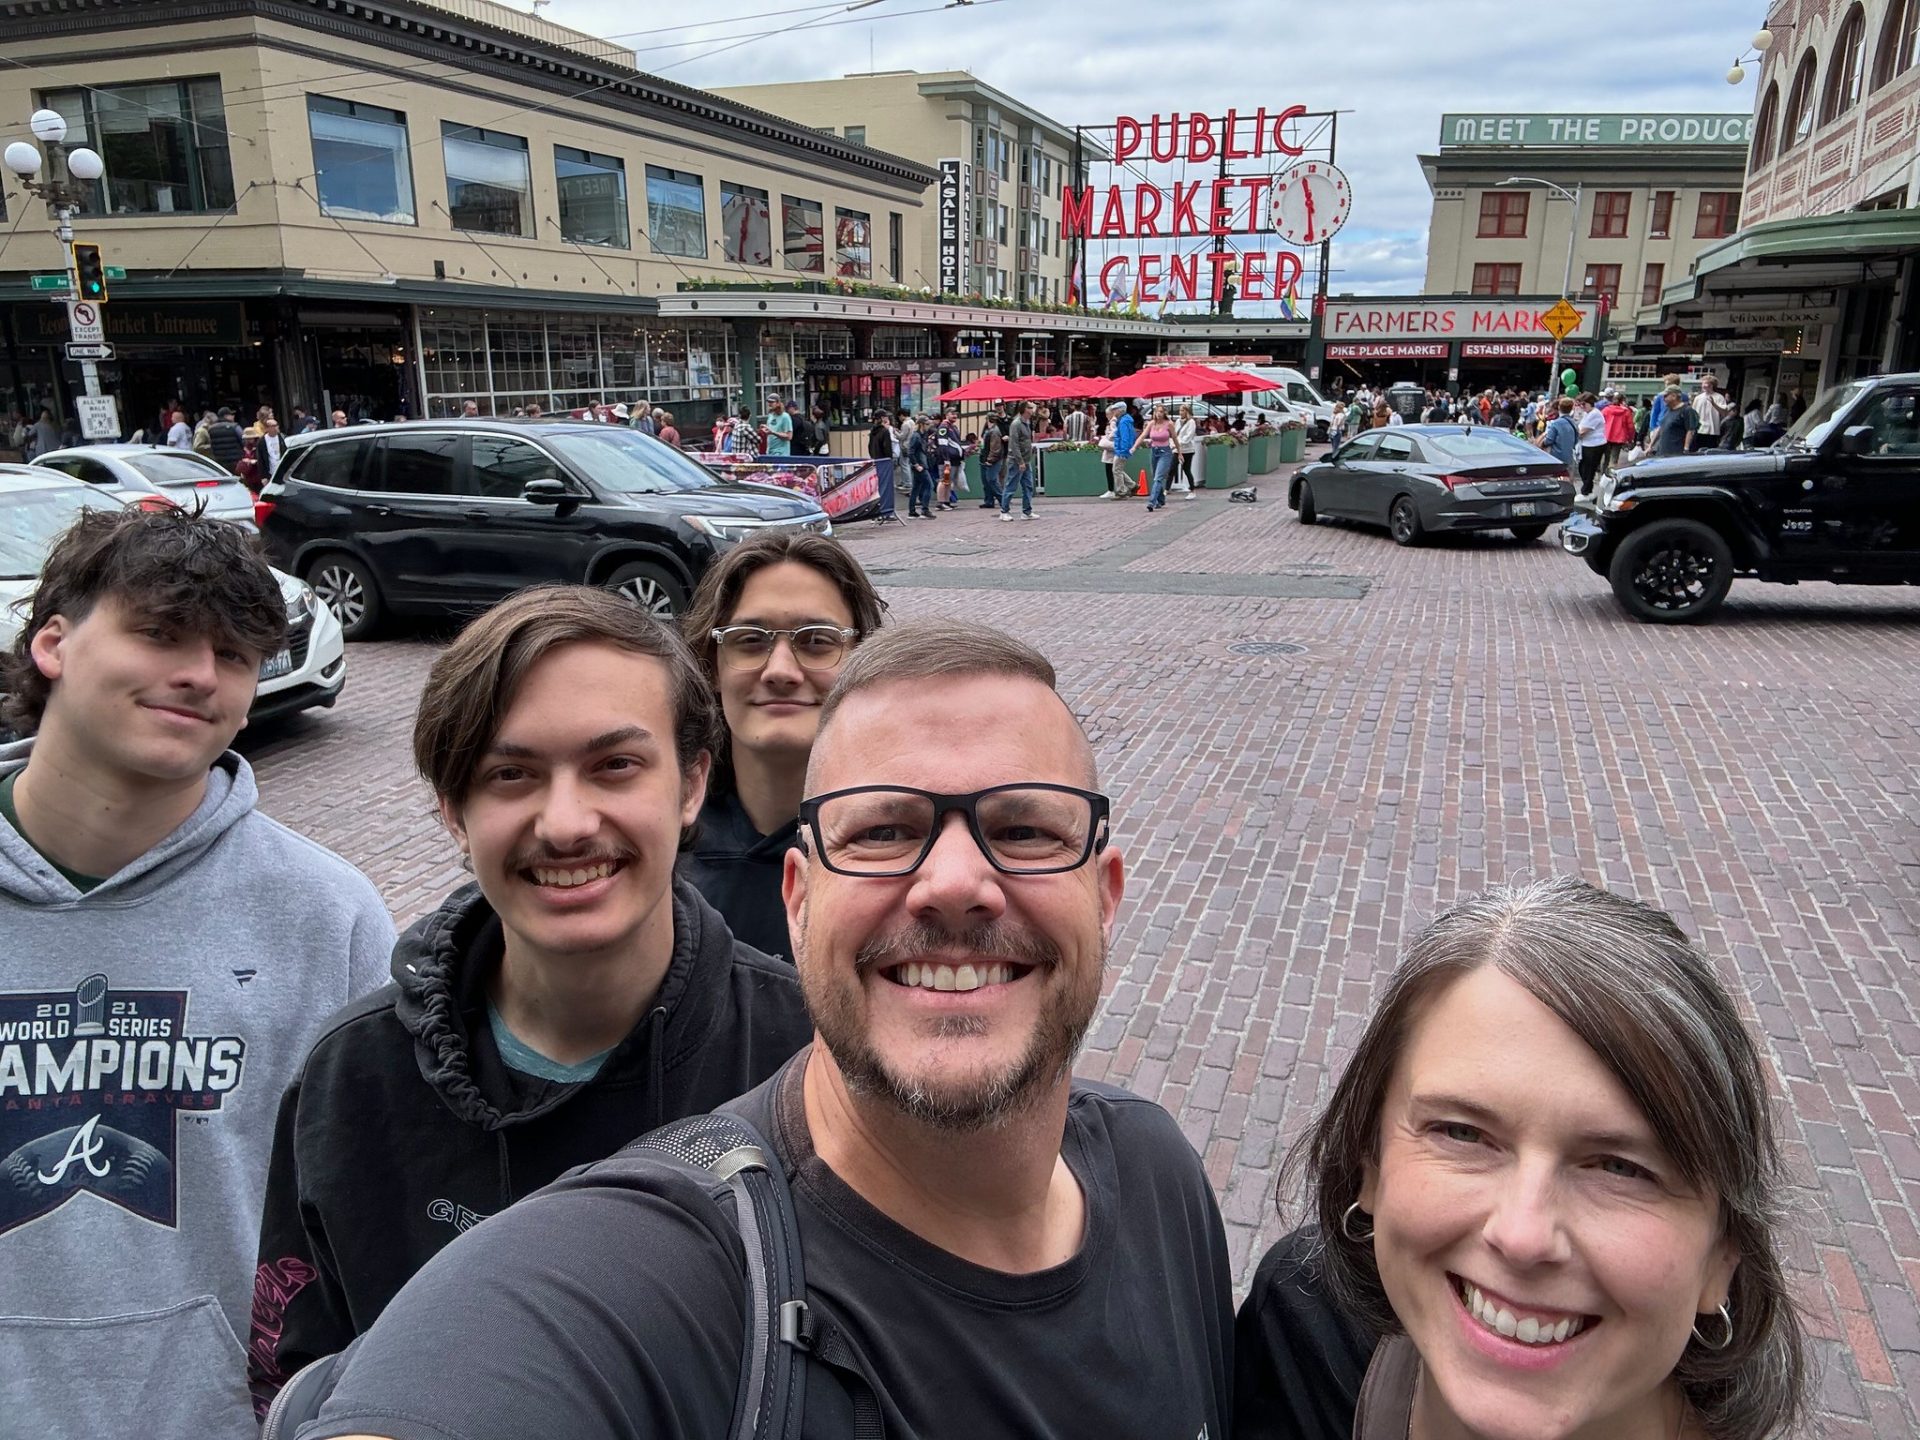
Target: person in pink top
1160	443
1619	418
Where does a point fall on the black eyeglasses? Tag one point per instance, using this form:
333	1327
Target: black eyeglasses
815	647
889	830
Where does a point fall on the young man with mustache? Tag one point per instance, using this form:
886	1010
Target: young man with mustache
571	998
1000	1249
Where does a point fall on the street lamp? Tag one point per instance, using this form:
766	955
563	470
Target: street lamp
72	171
1762	42
1572	197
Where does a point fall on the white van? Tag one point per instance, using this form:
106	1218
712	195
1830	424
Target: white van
1301	395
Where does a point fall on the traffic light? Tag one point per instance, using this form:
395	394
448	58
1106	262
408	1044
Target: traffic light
91	272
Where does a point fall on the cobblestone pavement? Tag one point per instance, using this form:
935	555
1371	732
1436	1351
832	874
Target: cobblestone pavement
1315	740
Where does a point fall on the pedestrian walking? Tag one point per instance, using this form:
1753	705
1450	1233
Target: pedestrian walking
179	433
1591	426
1186	437
1678	424
148	903
920	464
225	444
779	428
1079	427
880	448
993	458
1160	439
1561	438
1121	428
1712	408
1019	463
949	458
1618	416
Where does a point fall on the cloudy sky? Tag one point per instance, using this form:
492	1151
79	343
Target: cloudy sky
1397	65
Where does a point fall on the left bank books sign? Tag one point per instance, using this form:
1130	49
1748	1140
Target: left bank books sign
956	232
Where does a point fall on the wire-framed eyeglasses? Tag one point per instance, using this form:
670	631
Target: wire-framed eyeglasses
815	647
889	830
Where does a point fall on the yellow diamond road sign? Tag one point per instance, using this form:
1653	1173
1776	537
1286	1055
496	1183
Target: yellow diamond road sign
1561	321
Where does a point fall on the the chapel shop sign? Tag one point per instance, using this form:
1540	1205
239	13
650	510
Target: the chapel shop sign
1142	203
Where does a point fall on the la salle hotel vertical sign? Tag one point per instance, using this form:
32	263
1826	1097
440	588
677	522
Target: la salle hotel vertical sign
956	231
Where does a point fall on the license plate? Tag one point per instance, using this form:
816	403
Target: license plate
1523	507
278	665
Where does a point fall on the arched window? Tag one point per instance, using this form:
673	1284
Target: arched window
1899	37
1766	128
1844	69
1799	123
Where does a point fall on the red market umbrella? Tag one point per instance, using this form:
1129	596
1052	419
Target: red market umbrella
986	387
1209	380
1156	382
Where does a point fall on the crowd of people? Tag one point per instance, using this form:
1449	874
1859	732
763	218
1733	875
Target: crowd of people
718	865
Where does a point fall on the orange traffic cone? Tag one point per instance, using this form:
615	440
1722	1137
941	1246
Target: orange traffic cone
1145	487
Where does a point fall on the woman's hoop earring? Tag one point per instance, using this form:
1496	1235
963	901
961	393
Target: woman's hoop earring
1346	1225
1726	1317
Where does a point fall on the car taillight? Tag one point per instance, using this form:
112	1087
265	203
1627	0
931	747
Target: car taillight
155	503
1452	480
208	484
261	510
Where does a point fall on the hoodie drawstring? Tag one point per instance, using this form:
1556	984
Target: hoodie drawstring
657	1067
506	1170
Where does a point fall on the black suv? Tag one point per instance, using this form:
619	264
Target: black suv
1836	498
447	517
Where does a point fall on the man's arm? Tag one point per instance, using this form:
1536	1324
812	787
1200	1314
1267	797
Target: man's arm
370	945
610	1306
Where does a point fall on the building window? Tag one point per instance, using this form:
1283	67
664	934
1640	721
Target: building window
1611	209
676	212
164	144
1844	70
1899	38
1503	214
746	224
1766	128
1603	283
1661	226
1653	283
801	235
489	187
856	134
593	197
852	245
1799	106
1496	279
360	160
896	247
1719	214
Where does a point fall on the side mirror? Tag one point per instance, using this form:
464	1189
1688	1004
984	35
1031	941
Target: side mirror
1856	440
546	492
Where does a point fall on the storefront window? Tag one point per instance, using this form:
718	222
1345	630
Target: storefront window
746	224
489	184
802	235
676	212
165	145
852	245
517	350
360	160
453	353
593	197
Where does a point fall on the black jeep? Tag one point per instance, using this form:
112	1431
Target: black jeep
1836	498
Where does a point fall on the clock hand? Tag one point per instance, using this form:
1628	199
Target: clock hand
1307	191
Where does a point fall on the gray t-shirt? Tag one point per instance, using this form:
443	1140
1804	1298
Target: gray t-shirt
610	1304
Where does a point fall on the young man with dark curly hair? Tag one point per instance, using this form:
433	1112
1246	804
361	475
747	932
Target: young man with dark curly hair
167	954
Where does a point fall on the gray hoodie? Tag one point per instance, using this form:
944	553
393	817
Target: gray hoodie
147	1030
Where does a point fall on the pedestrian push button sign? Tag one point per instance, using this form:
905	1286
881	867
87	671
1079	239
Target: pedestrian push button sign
1560	321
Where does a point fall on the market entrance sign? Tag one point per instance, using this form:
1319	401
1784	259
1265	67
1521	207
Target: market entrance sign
1595	130
1440	319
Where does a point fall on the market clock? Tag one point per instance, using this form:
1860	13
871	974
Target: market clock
1310	202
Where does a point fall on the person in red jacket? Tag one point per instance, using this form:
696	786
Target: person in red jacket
1619	417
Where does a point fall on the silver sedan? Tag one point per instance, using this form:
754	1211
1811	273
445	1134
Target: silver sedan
182	477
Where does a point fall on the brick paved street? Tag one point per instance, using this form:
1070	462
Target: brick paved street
1456	715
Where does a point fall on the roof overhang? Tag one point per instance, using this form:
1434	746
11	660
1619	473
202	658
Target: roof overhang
841	309
1817	253
968	88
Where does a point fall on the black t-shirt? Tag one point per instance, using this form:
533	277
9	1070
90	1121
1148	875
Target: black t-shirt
1297	1361
611	1305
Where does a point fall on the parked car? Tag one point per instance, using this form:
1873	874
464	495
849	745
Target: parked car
36	507
1836	498
1418	479
181	476
447	517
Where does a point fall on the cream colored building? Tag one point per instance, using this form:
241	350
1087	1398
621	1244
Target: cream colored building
394	207
1017	158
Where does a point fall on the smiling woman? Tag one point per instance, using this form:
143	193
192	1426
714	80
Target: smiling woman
1549	1181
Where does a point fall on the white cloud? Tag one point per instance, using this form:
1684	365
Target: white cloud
1392	66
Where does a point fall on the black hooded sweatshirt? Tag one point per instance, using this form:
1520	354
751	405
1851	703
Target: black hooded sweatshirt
405	1127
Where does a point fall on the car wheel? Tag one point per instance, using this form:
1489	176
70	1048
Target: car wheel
1527	534
349	590
1404	521
649	587
1672	572
1308	515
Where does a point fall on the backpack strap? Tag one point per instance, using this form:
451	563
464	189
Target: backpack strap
770	1399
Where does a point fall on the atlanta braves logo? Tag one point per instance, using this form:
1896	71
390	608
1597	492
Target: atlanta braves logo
92	1081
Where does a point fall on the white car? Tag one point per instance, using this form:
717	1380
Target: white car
136	471
36	507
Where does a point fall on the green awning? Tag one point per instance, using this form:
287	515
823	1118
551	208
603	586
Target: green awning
1850	238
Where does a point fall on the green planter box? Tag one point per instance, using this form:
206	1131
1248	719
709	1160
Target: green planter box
1224	466
973	474
1073	472
1237	464
1263	454
1293	445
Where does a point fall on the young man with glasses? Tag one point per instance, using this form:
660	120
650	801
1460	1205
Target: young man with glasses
771	624
574	996
991	1247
